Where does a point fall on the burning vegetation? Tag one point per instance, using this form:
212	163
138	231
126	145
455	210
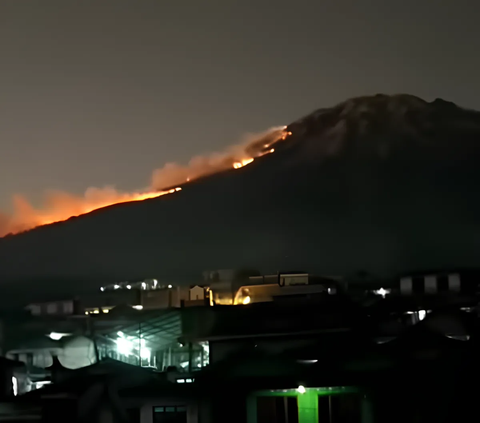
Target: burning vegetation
60	206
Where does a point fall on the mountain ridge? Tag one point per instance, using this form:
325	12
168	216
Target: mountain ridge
383	184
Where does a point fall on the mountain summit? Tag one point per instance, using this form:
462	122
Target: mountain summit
383	184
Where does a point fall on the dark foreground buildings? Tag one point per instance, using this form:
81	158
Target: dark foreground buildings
287	349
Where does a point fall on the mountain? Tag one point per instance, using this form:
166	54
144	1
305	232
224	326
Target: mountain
382	184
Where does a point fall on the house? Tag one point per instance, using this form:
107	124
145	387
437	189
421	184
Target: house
112	391
197	293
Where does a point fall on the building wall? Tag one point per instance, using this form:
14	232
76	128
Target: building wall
219	350
161	298
197	293
54	308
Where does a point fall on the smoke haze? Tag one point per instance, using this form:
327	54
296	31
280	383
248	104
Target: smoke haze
59	206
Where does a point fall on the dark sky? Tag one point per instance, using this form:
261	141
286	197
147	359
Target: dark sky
97	92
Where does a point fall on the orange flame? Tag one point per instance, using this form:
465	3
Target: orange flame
60	206
243	163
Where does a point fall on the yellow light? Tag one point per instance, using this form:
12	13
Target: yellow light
246	300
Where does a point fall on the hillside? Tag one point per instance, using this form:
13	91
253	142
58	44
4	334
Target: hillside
382	184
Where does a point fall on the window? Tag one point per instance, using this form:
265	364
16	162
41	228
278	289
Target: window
170	414
68	307
51	308
29	359
35	309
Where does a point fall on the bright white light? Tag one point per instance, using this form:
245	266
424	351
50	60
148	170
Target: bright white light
120	333
421	314
138	307
116	286
246	300
42	383
382	292
102	288
144	285
301	389
129	286
15	385
170	286
124	346
155	282
56	336
145	353
180	380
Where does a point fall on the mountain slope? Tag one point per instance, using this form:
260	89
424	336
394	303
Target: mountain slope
383	184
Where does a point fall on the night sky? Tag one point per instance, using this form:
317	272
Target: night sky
97	92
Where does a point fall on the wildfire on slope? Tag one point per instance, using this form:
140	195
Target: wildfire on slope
60	206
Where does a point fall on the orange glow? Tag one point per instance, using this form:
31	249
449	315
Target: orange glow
243	163
60	206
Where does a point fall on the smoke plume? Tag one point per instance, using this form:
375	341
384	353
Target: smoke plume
59	206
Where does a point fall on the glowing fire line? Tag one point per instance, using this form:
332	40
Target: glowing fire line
67	206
